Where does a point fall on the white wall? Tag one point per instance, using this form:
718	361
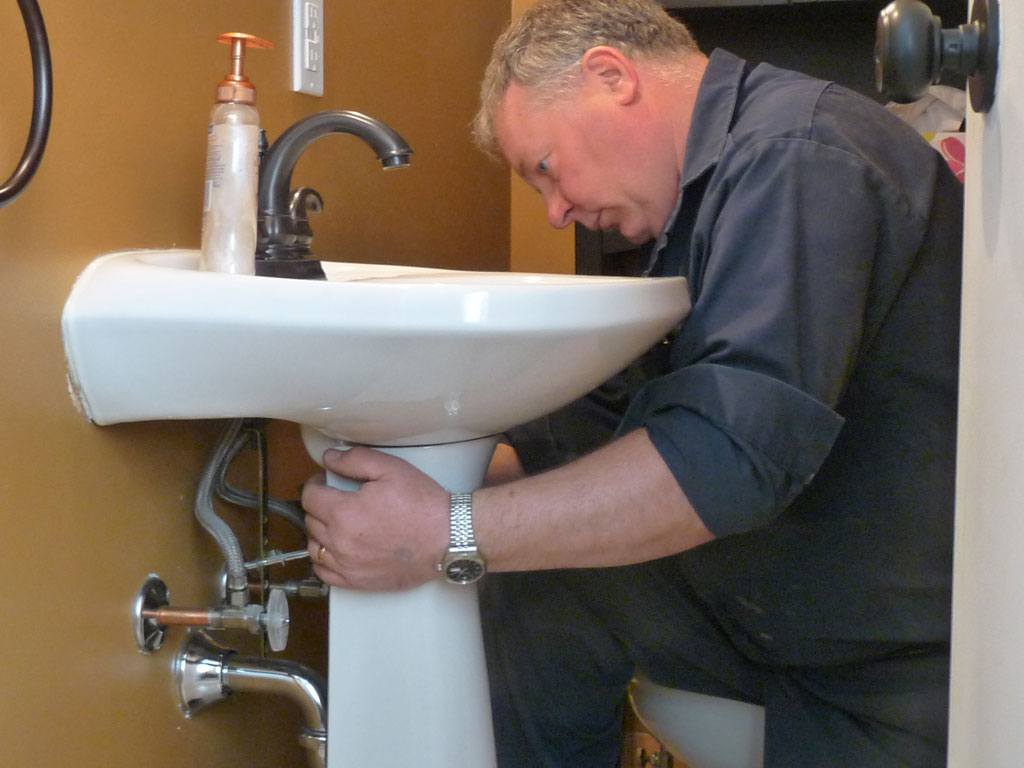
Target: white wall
987	719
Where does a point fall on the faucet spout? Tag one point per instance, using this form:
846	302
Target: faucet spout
284	232
207	672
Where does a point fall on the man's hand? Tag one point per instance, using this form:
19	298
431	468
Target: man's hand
388	535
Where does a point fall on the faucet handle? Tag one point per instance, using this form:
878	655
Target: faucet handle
283	248
305	199
275	620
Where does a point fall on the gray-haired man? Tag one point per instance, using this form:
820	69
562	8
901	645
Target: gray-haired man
761	509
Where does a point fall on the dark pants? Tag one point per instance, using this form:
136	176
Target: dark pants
562	647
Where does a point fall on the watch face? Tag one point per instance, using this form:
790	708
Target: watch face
464	571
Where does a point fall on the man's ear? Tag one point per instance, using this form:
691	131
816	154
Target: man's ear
609	69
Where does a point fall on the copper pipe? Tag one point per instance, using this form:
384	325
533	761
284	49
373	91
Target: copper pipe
182	617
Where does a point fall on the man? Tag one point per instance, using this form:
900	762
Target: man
772	521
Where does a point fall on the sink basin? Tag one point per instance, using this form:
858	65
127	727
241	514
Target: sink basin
427	364
379	355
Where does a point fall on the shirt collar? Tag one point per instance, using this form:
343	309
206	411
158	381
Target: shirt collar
712	114
709	129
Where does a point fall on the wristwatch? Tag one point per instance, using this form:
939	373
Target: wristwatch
462	563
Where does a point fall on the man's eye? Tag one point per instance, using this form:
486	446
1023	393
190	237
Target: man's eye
542	167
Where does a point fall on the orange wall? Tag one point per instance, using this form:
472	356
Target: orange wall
536	246
89	511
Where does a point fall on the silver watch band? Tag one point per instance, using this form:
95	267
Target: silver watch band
461	521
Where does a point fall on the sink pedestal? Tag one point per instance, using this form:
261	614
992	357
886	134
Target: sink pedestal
407	680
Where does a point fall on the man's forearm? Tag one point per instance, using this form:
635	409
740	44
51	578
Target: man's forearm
617	506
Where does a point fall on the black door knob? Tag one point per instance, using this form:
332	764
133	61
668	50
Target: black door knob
912	50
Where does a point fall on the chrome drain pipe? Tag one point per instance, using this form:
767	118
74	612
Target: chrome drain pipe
206	672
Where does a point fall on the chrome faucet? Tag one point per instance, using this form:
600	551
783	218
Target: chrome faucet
206	672
284	234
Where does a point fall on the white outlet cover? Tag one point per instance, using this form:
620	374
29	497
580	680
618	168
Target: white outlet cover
308	47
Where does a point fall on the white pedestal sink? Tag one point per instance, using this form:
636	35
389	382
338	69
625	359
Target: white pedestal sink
427	364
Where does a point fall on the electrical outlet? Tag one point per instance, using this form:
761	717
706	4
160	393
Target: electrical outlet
308	46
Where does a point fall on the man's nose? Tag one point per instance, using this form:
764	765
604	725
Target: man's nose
559	210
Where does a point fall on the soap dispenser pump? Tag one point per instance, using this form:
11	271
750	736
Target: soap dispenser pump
232	167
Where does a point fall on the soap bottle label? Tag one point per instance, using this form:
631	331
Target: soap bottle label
229	198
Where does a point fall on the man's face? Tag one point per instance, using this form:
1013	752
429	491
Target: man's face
591	161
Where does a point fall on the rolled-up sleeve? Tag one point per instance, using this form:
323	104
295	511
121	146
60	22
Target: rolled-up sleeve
728	437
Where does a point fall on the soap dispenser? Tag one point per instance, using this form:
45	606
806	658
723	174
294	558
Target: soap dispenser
232	167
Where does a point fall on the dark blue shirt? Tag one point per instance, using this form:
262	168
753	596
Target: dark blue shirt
807	405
